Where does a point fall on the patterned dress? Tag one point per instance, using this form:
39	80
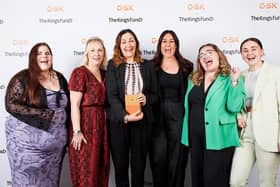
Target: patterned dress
90	165
35	155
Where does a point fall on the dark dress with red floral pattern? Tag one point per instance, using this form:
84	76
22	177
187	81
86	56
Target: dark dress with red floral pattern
90	165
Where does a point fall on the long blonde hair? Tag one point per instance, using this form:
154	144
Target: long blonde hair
224	66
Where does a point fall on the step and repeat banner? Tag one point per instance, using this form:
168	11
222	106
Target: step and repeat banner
66	24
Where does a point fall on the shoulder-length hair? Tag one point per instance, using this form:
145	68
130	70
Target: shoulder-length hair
33	75
118	57
85	58
183	62
224	66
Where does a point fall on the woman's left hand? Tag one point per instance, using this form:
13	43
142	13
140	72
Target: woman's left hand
234	73
77	140
142	99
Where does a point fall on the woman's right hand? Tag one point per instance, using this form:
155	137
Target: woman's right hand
77	140
136	116
241	123
234	73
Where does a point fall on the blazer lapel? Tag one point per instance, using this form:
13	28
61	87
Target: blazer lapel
144	76
260	82
218	83
122	79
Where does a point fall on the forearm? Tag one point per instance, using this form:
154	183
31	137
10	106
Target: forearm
236	96
36	117
76	117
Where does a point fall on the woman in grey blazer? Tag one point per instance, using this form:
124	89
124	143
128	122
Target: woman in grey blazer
259	120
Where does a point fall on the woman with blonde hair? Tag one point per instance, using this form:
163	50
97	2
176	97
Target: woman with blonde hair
89	151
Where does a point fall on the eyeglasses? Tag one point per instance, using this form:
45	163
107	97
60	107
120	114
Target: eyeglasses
208	53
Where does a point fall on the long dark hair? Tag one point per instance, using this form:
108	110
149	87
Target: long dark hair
118	57
183	62
33	75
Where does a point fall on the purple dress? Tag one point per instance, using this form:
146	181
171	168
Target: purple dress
35	155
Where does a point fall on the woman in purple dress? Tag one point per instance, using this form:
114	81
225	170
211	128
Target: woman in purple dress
37	100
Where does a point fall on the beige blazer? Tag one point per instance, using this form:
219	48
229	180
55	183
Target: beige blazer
266	107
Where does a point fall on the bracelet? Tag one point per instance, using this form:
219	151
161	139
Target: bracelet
76	131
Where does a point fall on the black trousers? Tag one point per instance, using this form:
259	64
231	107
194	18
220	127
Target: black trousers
128	144
210	168
168	157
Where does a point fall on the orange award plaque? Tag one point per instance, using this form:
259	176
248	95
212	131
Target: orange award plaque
132	104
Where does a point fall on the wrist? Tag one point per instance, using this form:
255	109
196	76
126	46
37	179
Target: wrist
234	82
76	131
125	119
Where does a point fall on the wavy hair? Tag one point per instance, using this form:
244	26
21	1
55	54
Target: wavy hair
118	57
224	66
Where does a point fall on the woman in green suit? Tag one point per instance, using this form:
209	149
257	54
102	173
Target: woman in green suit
214	96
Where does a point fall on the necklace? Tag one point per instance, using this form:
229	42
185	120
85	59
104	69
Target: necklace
51	75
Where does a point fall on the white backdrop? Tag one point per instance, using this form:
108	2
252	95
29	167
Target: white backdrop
66	24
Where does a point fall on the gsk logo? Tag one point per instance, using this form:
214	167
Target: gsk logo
230	39
268	5
195	6
20	42
154	40
55	9
125	7
84	41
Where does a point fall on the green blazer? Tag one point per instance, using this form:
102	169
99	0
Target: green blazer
222	104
